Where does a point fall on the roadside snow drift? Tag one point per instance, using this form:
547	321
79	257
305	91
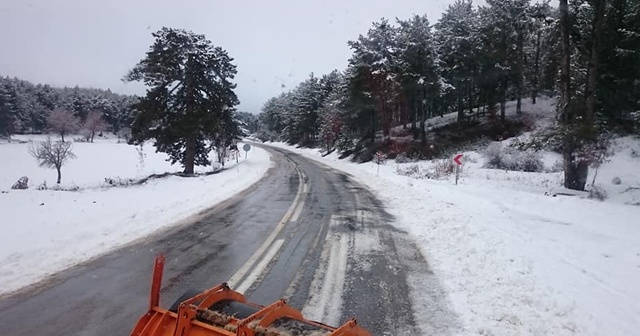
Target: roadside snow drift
515	257
46	231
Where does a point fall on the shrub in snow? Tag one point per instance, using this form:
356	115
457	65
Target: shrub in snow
596	153
493	154
530	161
616	180
52	154
441	169
402	158
57	187
119	182
380	158
510	158
598	193
22	183
557	167
412	170
43	186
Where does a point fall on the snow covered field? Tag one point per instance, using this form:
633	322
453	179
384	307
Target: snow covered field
45	231
513	260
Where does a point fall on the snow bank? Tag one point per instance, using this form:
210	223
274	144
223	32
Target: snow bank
47	231
513	260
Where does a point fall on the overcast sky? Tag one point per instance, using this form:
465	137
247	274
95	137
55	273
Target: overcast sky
276	44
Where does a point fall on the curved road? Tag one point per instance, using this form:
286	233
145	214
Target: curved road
304	232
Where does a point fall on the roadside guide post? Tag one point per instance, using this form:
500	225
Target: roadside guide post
456	159
246	148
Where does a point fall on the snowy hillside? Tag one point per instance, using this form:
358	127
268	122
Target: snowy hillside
62	228
516	255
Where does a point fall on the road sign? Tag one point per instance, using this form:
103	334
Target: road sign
457	158
246	148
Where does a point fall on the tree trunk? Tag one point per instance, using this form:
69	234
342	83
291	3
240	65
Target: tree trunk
373	125
62	136
384	118
460	106
575	172
414	116
519	70
93	134
423	130
503	101
536	70
414	119
190	156
592	69
59	174
565	65
470	96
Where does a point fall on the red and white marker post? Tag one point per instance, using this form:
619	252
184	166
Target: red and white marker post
456	159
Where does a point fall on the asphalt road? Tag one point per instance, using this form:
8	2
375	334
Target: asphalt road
304	232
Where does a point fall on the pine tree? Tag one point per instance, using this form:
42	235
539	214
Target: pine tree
618	85
331	116
418	69
503	32
535	46
374	60
7	117
307	100
273	119
458	44
189	98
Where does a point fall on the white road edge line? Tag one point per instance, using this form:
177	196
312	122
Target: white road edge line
260	267
296	214
234	281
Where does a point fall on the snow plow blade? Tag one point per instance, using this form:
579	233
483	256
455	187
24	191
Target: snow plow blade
223	311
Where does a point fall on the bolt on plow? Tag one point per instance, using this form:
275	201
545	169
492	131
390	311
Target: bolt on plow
223	311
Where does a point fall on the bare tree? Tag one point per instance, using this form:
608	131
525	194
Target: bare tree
62	122
52	154
94	123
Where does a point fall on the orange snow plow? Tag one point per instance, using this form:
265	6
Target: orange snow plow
223	311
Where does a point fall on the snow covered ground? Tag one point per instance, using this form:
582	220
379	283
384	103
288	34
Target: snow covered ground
514	259
45	231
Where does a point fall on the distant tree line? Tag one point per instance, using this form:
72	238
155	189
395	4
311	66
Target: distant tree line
470	62
26	107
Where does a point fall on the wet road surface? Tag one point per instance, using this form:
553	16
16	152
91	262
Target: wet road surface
304	232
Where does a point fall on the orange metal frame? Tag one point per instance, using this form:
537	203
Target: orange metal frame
161	322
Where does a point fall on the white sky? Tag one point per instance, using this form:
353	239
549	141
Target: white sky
274	43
